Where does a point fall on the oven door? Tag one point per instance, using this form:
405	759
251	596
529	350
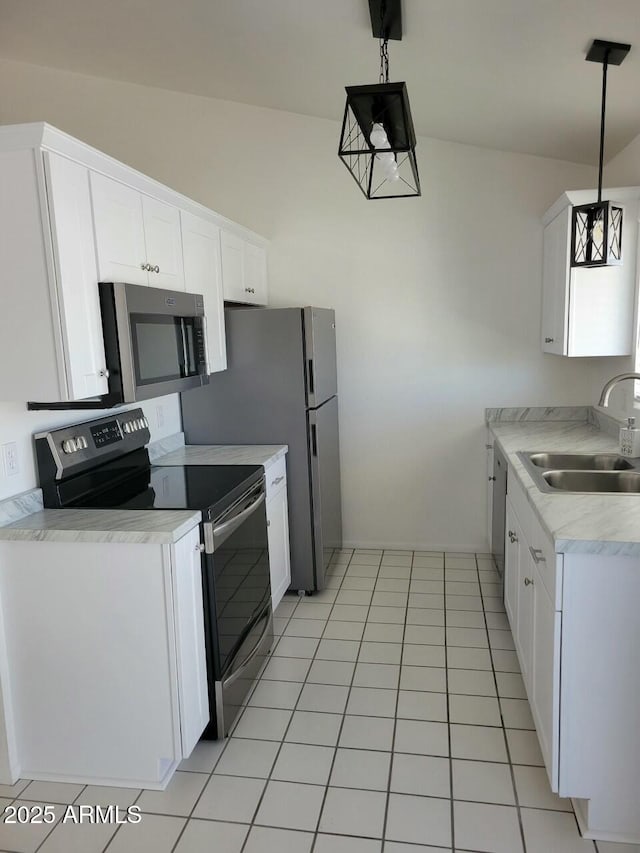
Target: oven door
237	593
154	340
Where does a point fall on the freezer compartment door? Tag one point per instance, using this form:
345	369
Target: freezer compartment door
320	355
326	508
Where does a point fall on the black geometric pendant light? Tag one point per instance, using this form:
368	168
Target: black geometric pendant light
596	228
378	143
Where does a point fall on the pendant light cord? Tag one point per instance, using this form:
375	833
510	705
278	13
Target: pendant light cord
384	46
602	114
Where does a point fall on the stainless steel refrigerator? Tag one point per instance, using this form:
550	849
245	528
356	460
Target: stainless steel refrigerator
280	388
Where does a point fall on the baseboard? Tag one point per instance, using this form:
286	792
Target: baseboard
480	548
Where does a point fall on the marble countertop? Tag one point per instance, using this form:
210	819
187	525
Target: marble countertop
223	454
23	517
160	527
577	523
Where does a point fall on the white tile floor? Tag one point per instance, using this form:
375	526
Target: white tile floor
392	716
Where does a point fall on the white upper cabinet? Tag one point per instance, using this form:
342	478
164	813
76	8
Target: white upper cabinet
120	246
244	270
588	311
70	217
163	242
203	274
255	273
76	274
233	267
137	237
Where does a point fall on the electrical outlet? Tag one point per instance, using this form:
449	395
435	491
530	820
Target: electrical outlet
160	415
10	457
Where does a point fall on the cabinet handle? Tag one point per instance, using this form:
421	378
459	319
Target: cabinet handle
492	479
156	268
104	373
200	547
146	267
549	340
277	480
512	536
528	581
538	556
268	523
250	290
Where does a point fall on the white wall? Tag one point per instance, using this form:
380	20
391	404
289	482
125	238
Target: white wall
623	170
437	299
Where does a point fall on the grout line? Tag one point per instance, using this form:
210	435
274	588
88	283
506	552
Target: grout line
344	713
276	641
448	598
504	734
448	705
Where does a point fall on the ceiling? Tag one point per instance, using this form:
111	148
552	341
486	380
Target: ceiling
506	74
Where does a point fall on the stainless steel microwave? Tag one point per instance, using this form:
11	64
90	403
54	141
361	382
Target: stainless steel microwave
154	341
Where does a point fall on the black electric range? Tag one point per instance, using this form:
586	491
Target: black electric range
104	464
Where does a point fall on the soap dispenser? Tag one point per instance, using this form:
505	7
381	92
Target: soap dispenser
630	439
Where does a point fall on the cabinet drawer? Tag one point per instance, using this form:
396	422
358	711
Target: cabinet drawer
548	563
276	476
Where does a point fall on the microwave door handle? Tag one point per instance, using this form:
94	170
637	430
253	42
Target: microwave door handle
185	357
189	362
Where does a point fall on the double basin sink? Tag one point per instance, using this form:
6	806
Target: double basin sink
604	473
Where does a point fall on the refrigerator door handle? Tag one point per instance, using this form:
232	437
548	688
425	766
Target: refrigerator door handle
311	379
314	440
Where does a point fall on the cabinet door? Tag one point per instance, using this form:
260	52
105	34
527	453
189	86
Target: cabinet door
279	556
69	200
203	274
232	248
512	548
163	244
489	460
555	283
544	693
119	231
523	636
255	274
189	629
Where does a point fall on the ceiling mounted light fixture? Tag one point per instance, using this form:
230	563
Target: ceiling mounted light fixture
596	228
378	142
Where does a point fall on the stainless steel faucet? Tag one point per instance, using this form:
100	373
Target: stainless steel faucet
611	384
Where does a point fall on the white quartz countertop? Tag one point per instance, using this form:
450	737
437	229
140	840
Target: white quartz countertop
224	454
577	523
158	527
119	525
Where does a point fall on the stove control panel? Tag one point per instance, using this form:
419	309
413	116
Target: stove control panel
72	445
69	450
134	425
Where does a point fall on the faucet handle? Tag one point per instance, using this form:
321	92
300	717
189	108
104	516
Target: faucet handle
631	422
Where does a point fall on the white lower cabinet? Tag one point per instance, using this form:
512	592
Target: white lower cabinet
535	625
575	626
278	529
107	683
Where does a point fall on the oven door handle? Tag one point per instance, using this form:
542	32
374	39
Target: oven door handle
214	536
241	668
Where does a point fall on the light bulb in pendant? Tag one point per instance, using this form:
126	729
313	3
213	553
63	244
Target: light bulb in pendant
378	136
